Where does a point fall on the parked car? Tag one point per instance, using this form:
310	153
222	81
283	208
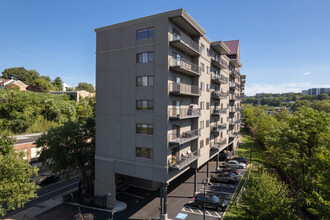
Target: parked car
235	164
47	180
225	178
229	170
240	159
211	201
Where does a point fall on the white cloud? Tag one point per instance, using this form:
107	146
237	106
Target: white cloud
282	87
307	73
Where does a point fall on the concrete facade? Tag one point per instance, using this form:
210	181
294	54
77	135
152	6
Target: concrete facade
193	89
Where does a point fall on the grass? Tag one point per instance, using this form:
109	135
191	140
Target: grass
233	212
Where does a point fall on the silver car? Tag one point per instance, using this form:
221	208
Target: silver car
225	178
235	164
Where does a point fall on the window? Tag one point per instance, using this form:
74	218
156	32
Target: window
145	34
144	152
207	141
208	70
201	124
142	81
201	143
207	123
207	106
144	104
145	57
202	48
202	86
207	52
202	67
202	105
144	129
207	87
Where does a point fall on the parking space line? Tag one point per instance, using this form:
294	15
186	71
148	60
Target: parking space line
218	214
207	212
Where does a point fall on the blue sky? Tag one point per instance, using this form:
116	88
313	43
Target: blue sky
284	44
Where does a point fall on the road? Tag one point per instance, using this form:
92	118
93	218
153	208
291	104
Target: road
48	192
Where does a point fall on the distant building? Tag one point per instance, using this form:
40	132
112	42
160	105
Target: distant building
7	82
26	143
65	87
76	94
315	91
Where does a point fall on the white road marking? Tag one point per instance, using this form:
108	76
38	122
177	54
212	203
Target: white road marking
217	214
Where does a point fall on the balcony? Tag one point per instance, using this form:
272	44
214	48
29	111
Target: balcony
235	73
185	44
220	47
218	111
232	85
184	161
217	128
184	113
219	63
184	89
235	62
184	137
219	78
238	121
218	94
217	145
184	66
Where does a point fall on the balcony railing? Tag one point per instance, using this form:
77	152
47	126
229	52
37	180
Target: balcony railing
219	63
217	144
183	113
184	89
184	66
217	111
184	161
186	40
219	127
219	78
238	109
184	137
218	94
232	96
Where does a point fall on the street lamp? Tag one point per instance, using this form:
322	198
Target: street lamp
205	182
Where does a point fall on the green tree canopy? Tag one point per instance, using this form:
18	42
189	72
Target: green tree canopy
58	84
70	147
267	198
85	86
15	173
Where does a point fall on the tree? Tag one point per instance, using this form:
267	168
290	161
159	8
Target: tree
70	147
15	173
85	86
42	84
267	198
58	84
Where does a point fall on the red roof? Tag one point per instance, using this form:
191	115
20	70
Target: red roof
233	46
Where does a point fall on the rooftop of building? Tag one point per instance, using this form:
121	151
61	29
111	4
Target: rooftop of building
26	138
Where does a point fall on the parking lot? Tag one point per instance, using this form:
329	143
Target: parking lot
221	190
144	204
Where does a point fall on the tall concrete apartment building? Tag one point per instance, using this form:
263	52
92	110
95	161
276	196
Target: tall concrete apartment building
168	100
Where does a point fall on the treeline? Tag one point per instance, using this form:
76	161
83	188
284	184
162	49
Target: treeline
298	146
30	112
39	83
285	99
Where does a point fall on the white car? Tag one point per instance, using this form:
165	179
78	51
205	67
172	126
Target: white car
225	178
235	164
